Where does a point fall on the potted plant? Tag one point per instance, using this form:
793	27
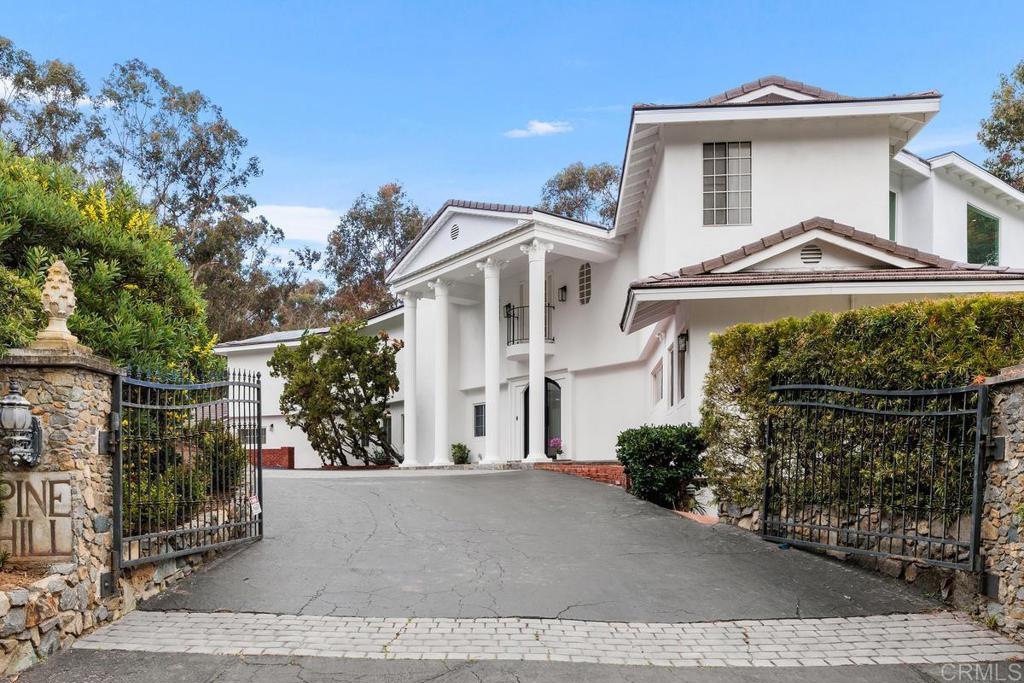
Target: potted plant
555	446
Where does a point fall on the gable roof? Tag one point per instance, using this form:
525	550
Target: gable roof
478	206
703	273
813	92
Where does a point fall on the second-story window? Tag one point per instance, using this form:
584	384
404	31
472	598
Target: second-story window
726	183
982	237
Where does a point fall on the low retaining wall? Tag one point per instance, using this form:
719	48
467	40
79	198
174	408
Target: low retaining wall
282	458
604	472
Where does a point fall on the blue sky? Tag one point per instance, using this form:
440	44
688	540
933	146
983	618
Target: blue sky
337	98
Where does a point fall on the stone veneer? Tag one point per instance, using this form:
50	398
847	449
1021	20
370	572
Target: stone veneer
997	597
70	391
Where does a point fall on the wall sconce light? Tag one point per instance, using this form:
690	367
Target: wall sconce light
683	342
563	294
19	428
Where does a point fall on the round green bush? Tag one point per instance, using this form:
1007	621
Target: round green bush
660	460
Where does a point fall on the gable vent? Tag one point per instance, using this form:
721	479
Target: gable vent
455	231
810	254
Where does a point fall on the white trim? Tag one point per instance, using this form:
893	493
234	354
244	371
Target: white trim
922	287
772	90
822	236
600	247
436	225
913	163
974	172
811	110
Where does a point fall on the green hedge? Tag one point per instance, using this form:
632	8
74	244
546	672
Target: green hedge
21	313
915	345
660	460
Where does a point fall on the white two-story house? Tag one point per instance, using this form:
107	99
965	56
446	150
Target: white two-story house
772	199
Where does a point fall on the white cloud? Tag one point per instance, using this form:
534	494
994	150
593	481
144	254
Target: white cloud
303	223
536	128
8	90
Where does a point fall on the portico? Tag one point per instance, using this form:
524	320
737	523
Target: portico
472	294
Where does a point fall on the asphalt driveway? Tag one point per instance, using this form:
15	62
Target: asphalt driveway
521	543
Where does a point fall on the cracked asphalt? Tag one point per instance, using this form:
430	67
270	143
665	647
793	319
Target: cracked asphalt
515	544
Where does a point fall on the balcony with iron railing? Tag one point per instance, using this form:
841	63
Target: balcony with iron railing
517	331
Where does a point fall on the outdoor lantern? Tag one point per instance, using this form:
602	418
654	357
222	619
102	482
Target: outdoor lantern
682	342
563	294
19	428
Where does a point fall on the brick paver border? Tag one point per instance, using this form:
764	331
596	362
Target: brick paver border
889	639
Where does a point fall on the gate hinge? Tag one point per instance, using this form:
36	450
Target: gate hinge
994	447
110	440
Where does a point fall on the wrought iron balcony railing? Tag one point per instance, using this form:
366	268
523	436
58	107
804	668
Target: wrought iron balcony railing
517	324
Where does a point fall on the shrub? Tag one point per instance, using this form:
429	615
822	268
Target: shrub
137	303
21	313
460	454
913	345
157	502
221	458
660	460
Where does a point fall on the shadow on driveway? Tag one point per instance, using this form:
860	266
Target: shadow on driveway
520	543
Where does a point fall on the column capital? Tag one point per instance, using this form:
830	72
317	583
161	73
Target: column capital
536	249
439	286
409	298
491	266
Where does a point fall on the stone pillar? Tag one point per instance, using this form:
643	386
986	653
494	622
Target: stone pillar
59	513
492	358
410	451
537	253
442	446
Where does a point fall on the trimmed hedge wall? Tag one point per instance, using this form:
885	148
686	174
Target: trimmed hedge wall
914	345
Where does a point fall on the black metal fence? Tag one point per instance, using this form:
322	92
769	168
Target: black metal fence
187	470
517	324
882	473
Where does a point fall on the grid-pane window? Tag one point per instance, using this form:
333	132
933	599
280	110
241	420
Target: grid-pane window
982	237
248	435
726	183
480	419
585	283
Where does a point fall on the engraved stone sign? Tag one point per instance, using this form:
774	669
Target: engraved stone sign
36	522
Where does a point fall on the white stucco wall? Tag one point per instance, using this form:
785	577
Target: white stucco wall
837	169
950	230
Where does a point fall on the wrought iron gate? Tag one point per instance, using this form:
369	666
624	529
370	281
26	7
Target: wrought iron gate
187	465
882	473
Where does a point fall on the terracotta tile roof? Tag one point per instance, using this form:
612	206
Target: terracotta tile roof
818	94
935	267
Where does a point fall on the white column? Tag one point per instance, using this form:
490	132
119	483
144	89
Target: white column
409	377
442	446
492	358
537	252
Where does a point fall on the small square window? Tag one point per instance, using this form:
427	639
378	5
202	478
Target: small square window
480	419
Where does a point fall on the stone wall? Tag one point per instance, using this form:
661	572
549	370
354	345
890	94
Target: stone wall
70	392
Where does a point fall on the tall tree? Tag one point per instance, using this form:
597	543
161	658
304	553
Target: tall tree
365	245
1002	133
586	193
192	169
44	107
